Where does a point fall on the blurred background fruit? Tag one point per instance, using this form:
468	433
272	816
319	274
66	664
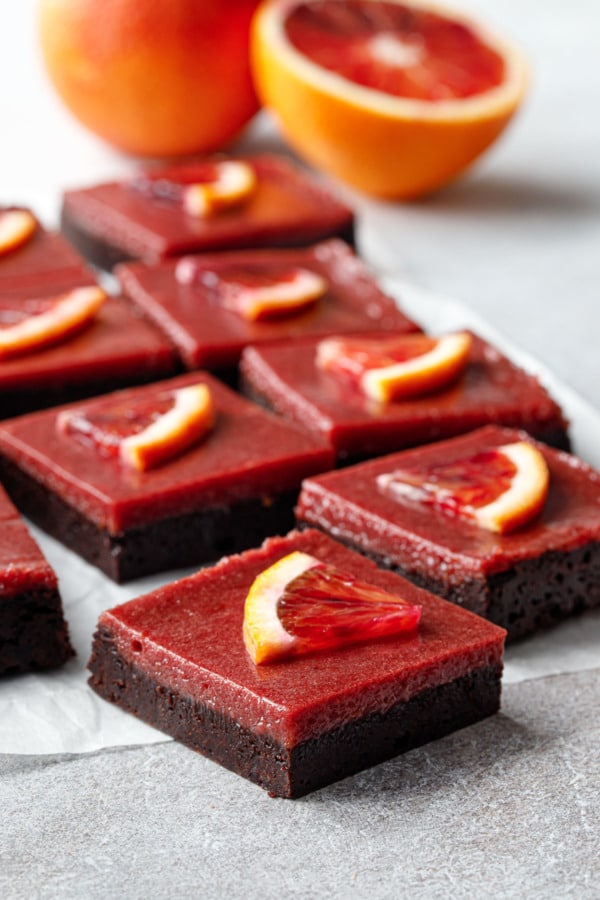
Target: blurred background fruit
394	98
152	77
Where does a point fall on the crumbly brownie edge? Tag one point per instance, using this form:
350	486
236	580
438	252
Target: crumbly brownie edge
530	596
312	764
33	632
170	543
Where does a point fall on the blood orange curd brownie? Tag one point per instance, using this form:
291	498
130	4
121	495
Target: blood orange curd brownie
492	520
213	305
374	393
31	256
214	204
298	663
62	342
166	475
33	632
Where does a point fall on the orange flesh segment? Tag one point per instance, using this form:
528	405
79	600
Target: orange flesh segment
500	490
395	49
301	605
398	368
189	419
234	182
16	227
68	314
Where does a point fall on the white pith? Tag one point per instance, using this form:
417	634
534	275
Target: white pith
260	614
190	404
15	226
487	104
527	488
70	311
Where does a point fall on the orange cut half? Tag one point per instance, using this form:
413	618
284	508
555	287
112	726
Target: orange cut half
399	367
395	98
16	227
230	183
300	605
64	317
500	489
145	432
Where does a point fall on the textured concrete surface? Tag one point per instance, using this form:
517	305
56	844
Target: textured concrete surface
507	808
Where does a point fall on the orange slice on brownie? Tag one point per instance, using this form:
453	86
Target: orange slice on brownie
16	227
499	489
56	320
301	605
225	184
399	367
144	433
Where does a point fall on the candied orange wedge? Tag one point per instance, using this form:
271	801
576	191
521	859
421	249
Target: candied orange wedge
232	182
301	605
399	367
16	227
66	315
144	433
500	489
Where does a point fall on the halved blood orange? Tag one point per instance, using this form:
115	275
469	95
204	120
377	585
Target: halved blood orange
396	98
500	489
16	227
398	367
301	605
255	290
144	433
52	320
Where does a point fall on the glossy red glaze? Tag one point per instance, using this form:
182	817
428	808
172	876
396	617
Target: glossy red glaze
22	566
287	203
106	428
44	259
249	453
188	636
491	389
421	538
208	335
450	62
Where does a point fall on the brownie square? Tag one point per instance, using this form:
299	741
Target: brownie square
208	335
117	349
225	493
525	580
33	632
176	659
113	222
490	390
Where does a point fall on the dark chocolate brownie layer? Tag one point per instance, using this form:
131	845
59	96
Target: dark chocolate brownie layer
169	543
571	584
33	633
313	763
106	256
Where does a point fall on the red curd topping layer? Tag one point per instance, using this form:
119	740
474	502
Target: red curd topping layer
286	202
350	505
188	636
208	334
249	453
119	342
491	388
45	257
22	566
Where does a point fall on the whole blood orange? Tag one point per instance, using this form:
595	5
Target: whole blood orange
154	78
394	97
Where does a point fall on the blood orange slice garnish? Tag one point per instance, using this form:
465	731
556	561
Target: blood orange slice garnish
16	227
499	489
255	290
301	605
399	367
32	325
394	97
203	189
144	433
